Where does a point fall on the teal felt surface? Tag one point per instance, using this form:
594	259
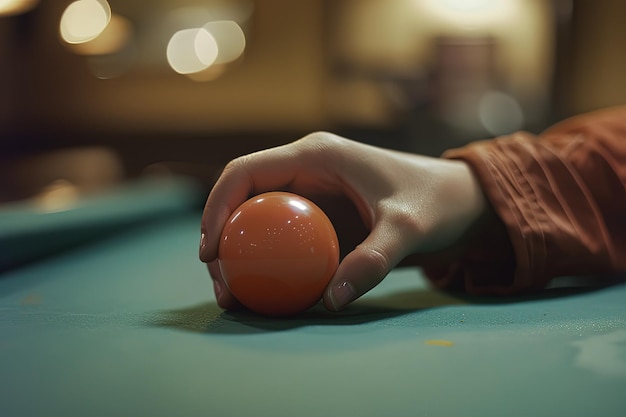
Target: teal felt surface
128	326
30	230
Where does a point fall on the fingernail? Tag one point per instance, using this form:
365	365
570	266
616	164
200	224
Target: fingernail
202	243
341	294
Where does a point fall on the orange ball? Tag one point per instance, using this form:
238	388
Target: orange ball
277	253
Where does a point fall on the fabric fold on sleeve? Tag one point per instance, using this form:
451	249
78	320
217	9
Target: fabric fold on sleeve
560	196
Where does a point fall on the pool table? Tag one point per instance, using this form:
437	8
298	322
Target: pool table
120	320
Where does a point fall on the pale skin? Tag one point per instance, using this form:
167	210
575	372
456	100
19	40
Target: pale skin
413	208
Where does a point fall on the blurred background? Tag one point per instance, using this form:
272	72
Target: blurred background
94	93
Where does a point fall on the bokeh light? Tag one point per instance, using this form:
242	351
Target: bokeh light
202	53
84	20
500	113
191	50
60	195
230	39
15	7
113	38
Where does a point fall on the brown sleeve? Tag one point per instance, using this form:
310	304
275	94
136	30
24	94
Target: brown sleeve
560	197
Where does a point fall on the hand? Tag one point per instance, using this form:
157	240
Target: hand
410	205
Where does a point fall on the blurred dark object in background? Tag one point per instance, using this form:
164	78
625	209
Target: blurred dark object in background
116	97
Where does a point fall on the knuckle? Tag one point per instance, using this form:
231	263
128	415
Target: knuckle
237	163
320	143
406	219
318	136
236	166
379	261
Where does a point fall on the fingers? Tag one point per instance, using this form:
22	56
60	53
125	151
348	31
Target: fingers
235	185
298	165
367	265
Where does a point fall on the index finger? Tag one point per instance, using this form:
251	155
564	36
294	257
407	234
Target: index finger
292	166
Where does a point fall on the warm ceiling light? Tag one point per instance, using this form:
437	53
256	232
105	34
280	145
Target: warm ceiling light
471	13
191	50
14	7
84	20
230	39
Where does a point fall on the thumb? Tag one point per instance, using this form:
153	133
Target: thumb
366	266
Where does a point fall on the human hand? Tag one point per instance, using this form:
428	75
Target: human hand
409	205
